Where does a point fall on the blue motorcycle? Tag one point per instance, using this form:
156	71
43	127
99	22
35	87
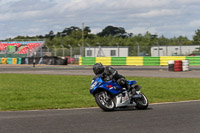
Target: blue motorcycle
109	95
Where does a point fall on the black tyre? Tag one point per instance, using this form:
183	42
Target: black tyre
104	101
142	103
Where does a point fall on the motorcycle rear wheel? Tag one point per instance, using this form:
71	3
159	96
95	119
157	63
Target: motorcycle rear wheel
104	101
142	103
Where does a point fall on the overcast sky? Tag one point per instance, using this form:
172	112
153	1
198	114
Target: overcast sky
37	17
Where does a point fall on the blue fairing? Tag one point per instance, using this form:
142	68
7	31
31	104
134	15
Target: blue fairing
110	86
132	82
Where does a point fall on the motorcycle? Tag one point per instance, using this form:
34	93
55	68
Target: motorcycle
109	95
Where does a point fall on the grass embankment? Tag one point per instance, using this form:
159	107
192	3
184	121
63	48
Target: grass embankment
27	92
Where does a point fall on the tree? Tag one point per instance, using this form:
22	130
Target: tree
111	30
50	35
196	37
76	34
68	31
183	40
40	36
87	29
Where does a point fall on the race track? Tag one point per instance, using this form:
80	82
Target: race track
182	117
141	71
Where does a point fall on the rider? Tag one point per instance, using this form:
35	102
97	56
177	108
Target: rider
109	73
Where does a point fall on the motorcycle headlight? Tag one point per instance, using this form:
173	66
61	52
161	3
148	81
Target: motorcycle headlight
93	85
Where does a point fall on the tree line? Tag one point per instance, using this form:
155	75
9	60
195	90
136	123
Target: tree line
109	36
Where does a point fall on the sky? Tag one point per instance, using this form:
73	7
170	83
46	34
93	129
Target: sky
37	17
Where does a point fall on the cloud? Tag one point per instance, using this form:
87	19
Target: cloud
135	4
195	24
166	17
158	13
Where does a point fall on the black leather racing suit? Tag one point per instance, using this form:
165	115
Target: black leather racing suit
111	74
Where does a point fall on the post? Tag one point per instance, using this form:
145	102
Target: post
15	48
99	50
82	39
138	48
63	50
41	51
89	48
80	49
34	62
47	49
70	52
166	50
180	48
158	49
27	51
54	50
117	48
6	50
94	52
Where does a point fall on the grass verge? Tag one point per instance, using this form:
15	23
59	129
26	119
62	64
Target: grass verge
29	91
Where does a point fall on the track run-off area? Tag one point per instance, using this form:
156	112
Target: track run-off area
140	71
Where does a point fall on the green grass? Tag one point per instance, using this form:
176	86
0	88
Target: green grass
169	89
29	91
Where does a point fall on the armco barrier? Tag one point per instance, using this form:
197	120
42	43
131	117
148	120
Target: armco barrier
87	60
151	61
193	60
164	59
19	60
118	61
3	60
136	61
38	60
14	60
9	61
104	60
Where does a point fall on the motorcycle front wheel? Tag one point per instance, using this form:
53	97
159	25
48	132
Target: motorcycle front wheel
142	103
104	101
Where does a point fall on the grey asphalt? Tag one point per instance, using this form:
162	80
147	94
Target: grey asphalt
141	71
181	117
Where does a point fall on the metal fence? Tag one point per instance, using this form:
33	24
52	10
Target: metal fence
58	51
75	52
136	50
139	50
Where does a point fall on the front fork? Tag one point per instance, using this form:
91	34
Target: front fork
135	92
135	89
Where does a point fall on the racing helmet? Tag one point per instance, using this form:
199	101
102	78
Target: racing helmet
98	68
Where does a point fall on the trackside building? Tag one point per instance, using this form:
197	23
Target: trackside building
106	51
180	50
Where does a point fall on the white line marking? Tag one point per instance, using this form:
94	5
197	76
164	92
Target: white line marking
97	107
175	102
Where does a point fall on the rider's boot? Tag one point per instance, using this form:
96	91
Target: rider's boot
128	87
